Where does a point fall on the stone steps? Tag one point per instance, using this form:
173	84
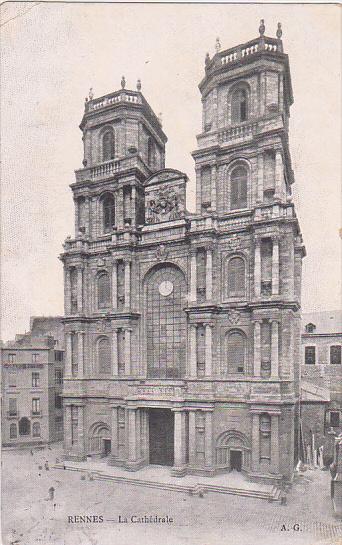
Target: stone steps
197	489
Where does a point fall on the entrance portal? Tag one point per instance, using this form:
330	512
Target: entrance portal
106	446
161	425
236	460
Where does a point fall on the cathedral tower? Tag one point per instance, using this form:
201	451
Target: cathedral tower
182	329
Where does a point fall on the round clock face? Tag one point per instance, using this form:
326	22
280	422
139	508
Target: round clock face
165	288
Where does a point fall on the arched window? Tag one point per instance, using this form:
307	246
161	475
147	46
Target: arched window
108	146
13	431
104	356
239	106
103	290
236	352
36	429
236	277
24	426
108	205
238	188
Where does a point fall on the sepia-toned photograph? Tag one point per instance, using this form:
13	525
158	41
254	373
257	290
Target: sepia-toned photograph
171	324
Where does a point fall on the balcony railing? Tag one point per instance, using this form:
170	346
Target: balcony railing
12	414
36	413
115	98
109	168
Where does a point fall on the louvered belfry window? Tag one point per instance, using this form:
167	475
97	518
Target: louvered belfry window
103	285
104	356
239	106
108	146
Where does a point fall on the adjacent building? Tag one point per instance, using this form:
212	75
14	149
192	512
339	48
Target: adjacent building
183	329
321	382
32	381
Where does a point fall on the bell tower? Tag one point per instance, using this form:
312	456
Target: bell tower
123	145
246	96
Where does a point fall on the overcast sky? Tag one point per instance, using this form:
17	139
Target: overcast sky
53	53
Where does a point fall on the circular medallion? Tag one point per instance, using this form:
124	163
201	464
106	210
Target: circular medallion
165	288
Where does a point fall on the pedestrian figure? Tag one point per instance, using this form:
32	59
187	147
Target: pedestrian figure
54	506
51	493
31	452
46	465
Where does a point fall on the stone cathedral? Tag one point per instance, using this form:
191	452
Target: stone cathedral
183	328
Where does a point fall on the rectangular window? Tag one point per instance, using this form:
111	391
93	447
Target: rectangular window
11	358
36	405
35	358
58	377
335	419
12	407
310	355
35	380
58	401
59	355
335	355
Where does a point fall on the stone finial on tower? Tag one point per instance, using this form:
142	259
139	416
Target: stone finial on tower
262	27
207	59
91	93
218	45
160	118
139	85
279	31
123	82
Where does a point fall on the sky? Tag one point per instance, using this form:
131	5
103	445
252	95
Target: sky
53	53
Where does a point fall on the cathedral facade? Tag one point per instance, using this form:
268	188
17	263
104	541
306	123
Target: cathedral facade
183	329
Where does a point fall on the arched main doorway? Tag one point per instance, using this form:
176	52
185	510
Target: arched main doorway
165	292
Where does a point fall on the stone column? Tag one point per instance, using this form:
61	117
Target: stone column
80	430
67	291
279	175
76	217
275	443
128	351
115	285
255	442
193	351
79	289
88	215
257	268
127	286
114	440
213	188
192	438
257	348
193	276
80	346
120	209
179	443
209	275
274	349
67	427
208	350
115	363
208	440
132	434
275	267
133	205
67	368
260	187
198	191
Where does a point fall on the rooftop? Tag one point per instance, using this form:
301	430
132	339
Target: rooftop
328	321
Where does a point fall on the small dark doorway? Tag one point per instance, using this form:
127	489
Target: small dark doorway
236	460
107	446
161	425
